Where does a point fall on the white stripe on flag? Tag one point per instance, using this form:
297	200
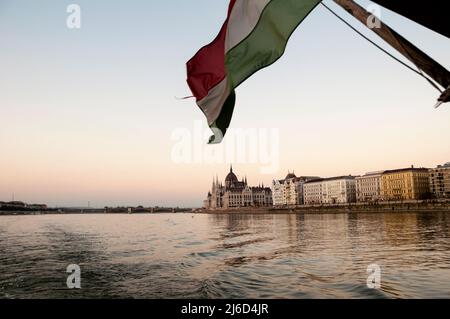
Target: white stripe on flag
243	19
212	103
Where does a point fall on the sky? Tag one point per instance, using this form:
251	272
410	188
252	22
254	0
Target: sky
89	114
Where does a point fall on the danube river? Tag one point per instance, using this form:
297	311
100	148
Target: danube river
226	256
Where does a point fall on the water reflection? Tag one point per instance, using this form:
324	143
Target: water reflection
226	256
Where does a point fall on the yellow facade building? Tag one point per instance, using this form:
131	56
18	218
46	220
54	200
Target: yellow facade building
405	184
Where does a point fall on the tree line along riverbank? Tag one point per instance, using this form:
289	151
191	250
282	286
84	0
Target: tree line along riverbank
106	210
382	207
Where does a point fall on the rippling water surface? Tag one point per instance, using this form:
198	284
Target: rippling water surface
225	256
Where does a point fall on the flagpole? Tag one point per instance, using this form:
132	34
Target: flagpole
445	97
421	60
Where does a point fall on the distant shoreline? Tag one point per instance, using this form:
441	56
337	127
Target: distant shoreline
93	211
382	207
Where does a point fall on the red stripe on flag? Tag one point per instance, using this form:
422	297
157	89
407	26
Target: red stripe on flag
207	68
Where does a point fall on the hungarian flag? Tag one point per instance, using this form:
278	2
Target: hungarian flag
253	36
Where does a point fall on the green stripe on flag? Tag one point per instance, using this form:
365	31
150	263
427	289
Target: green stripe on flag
266	44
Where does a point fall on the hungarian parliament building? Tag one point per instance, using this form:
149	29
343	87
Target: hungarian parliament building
235	193
400	184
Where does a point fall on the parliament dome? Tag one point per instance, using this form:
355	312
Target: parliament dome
231	177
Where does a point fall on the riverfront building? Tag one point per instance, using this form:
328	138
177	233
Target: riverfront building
334	190
278	193
235	193
440	181
339	190
368	187
312	192
289	191
405	184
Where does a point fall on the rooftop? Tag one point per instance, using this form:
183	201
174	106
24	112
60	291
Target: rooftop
446	165
371	174
412	168
290	175
330	179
